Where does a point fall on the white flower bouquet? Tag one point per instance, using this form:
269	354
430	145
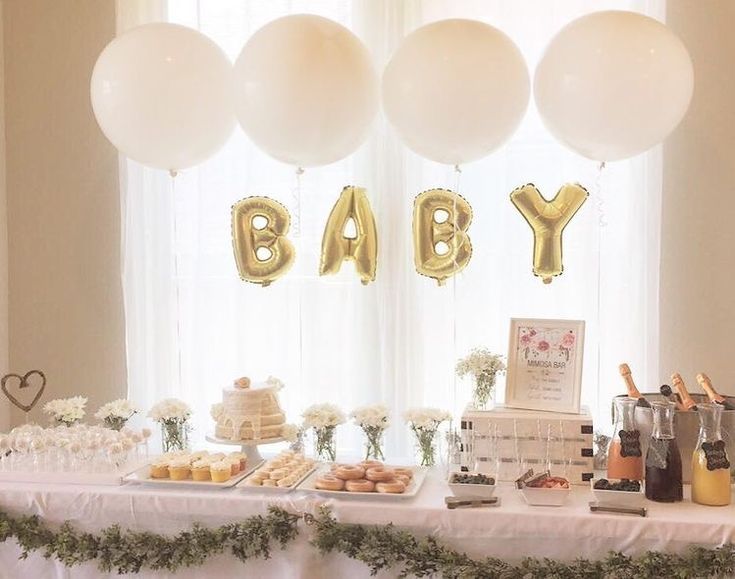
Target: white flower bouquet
373	420
173	416
424	423
115	414
66	411
324	419
484	367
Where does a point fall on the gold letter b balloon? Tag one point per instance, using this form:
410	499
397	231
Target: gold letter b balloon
262	252
430	234
548	220
362	248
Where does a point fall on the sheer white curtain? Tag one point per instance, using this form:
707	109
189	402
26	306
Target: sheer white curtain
193	326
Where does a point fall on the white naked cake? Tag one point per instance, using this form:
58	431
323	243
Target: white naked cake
249	412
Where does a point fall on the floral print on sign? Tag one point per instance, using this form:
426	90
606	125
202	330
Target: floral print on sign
541	343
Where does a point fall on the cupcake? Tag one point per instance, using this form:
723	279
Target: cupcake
159	469
234	464
221	471
241	457
179	469
200	471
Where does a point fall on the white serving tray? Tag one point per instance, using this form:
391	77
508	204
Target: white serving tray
142	476
113	478
419	474
243	486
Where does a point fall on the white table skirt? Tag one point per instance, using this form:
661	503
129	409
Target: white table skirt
510	532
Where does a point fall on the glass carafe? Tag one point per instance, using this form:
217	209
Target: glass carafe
624	455
663	460
710	463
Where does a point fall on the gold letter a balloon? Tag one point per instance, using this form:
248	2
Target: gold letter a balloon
431	235
548	220
362	248
262	253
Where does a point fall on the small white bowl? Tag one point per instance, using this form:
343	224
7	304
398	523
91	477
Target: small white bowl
542	497
618	498
469	490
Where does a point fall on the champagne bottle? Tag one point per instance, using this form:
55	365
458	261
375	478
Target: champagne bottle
671	396
681	390
630	386
714	397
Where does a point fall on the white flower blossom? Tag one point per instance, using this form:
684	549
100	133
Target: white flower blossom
66	409
376	416
428	418
323	415
290	432
482	364
121	408
170	409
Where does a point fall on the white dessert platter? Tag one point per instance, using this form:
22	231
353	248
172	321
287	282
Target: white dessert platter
247	447
419	474
142	476
78	477
243	484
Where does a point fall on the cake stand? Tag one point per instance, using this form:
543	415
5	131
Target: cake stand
249	448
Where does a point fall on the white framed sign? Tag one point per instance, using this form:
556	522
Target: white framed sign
545	365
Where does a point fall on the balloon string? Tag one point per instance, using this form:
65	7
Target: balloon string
457	181
602	223
602	219
296	221
177	296
296	229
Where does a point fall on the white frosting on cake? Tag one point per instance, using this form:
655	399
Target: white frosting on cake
249	412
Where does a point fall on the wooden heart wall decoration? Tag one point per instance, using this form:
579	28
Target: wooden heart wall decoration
22	383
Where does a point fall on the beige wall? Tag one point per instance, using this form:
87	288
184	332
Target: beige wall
4	368
66	313
698	226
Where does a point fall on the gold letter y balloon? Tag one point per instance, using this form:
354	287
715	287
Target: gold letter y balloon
263	254
548	220
430	234
362	248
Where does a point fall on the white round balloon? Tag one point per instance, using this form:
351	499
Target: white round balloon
162	94
306	90
455	90
612	84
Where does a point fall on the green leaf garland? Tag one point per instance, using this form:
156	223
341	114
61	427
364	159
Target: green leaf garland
379	547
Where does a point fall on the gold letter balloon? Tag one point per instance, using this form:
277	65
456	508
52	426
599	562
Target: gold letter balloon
441	246
339	245
262	251
548	220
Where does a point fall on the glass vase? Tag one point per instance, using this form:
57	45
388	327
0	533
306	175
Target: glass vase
115	422
482	393
174	435
325	446
425	445
374	442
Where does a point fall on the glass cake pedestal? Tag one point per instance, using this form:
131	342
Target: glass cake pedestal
248	447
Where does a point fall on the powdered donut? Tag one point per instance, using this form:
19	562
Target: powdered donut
391	487
360	486
379	473
349	472
329	482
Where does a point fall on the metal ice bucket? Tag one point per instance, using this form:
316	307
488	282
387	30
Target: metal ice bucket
686	425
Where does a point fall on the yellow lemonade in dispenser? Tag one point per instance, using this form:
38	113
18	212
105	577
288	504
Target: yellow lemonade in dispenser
709	487
710	464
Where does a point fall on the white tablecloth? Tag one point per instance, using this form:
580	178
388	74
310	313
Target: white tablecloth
511	531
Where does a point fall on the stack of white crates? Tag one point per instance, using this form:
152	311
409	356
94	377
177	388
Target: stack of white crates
505	442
